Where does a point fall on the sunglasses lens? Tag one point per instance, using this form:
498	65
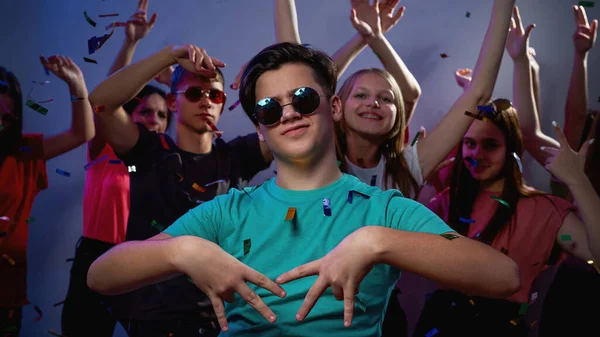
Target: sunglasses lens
193	94
217	96
306	101
267	111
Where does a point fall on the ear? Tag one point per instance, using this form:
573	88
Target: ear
261	137
336	108
171	102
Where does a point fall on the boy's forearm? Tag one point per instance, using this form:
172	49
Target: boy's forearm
576	107
348	52
286	21
134	264
124	56
462	264
125	84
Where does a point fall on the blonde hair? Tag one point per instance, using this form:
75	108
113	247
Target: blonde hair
391	149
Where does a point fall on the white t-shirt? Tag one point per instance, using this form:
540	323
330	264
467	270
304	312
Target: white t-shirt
374	176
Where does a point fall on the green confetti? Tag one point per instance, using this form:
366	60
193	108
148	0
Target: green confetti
30	220
500	201
158	226
247	245
360	304
415	139
339	163
88	19
36	107
523	309
565	237
588	4
449	236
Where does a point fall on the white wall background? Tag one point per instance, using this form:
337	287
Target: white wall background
234	30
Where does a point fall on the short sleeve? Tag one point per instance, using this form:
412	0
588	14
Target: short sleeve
142	151
409	215
412	161
247	149
203	221
35	144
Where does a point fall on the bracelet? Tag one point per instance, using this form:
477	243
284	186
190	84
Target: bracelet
74	98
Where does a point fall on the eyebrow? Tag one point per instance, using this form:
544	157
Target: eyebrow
387	91
483	140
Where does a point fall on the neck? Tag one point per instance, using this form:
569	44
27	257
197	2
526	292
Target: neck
308	174
191	141
496	185
362	152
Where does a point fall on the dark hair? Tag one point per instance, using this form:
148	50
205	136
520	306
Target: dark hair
147	91
464	189
275	56
592	162
11	136
179	72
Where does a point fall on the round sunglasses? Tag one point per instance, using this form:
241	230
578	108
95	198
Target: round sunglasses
195	94
268	111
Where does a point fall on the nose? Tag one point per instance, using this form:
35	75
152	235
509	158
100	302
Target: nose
374	103
289	113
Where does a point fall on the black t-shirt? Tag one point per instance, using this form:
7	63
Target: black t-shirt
166	182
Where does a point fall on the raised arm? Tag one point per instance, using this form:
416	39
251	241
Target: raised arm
82	120
435	147
366	19
577	98
122	86
535	75
286	21
348	52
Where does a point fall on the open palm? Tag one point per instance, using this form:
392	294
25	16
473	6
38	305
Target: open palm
387	16
365	18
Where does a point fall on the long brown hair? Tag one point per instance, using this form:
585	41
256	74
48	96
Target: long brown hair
591	129
464	189
391	149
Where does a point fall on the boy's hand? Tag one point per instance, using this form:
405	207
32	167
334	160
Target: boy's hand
222	275
196	60
342	269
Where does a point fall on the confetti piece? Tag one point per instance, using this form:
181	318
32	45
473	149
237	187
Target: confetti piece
215	182
374	180
4	83
291	214
468	14
41	83
69	260
54	333
112	25
30	220
500	201
88	60
591	263
243	189
46	101
163	141
39	312
114	161
158	226
179	177
214	128
234	105
472	302
476	236
46	71
307	45
432	332
198	188
514	322
465	220
443	55
534	297
131	169
33	105
9	259
88	19
25	149
516	156
523	309
58	304
5	218
98	109
360	304
351	195
565	237
62	173
472	115
415	139
588	4
94	162
247	245
339	163
326	207
107	15
532	324
449	236
486	108
471	161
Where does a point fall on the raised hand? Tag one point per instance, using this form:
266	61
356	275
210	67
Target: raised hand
463	77
517	42
196	60
137	25
222	275
564	163
342	269
386	13
65	69
585	35
365	18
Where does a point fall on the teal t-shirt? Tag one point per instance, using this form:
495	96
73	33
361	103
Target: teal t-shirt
251	225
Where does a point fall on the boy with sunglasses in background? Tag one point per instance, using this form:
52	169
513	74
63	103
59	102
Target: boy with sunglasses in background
170	177
311	220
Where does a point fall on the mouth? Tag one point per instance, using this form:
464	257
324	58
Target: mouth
295	130
371	115
205	115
